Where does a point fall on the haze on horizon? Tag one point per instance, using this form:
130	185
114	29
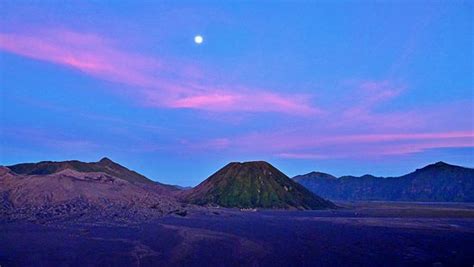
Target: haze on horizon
344	88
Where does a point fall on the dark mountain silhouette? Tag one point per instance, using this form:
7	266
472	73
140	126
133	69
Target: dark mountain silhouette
251	185
439	182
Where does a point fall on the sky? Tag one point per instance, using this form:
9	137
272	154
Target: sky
344	87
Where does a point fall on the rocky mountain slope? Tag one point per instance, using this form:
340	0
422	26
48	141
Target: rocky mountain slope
74	188
439	182
251	185
105	165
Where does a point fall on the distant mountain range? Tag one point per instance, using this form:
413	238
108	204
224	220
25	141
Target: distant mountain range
439	182
105	189
254	184
74	189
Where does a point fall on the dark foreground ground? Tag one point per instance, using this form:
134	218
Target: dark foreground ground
363	234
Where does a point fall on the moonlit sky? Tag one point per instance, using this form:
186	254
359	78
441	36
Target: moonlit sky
352	87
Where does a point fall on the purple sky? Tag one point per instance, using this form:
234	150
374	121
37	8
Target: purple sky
345	88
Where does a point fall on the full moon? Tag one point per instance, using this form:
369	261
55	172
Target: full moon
198	39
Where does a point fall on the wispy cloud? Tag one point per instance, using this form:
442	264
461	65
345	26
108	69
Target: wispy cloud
157	83
356	146
322	146
366	96
354	127
89	53
258	101
300	155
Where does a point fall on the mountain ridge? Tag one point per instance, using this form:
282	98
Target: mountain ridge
50	190
438	181
103	165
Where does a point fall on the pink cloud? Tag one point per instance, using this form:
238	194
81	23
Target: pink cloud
164	84
256	102
372	138
366	96
215	101
99	57
425	145
304	146
88	53
301	156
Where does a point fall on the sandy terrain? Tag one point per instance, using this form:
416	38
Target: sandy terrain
361	234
